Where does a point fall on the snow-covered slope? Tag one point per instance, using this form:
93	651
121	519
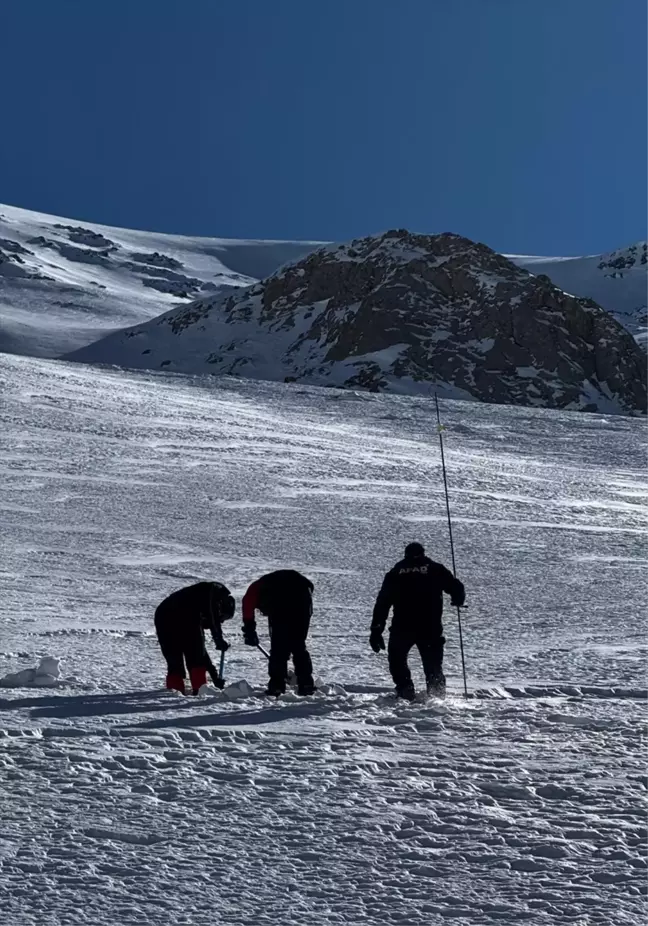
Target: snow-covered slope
617	281
401	312
65	283
122	805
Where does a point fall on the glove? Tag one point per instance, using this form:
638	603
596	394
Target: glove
459	596
250	636
376	641
222	645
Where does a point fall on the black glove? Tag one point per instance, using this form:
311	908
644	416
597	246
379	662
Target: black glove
376	641
250	636
222	644
457	603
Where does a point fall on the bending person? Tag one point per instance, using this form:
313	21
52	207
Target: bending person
286	598
180	624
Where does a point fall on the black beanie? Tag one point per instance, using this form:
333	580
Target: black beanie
412	550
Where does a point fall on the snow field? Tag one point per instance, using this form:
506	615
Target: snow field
122	803
76	281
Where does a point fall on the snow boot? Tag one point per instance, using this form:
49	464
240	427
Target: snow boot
406	692
198	677
306	690
175	682
436	685
274	690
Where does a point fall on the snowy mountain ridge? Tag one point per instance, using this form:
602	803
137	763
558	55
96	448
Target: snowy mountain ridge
401	312
65	283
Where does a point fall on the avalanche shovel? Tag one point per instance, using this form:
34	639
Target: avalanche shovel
217	677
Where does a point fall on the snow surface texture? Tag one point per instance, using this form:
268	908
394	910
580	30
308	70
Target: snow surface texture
124	804
64	283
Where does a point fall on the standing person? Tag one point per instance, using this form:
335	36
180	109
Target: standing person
286	598
414	589
180	623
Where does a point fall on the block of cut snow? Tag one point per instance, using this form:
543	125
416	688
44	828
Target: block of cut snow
46	675
22	679
239	689
330	689
44	680
210	691
49	666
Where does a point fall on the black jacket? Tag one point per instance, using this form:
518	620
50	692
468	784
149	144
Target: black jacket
414	589
285	594
203	606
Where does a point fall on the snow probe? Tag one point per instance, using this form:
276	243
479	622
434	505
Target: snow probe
440	429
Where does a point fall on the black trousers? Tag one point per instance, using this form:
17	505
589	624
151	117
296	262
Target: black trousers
182	643
288	633
429	643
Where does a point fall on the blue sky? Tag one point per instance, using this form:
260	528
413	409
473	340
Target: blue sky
515	122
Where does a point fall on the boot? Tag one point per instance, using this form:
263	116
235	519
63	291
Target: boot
436	685
198	677
175	682
306	689
406	692
275	689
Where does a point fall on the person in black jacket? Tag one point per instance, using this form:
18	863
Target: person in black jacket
286	598
180	623
414	589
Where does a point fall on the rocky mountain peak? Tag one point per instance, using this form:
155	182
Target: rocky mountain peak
404	312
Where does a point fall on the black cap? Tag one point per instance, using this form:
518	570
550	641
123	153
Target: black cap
412	550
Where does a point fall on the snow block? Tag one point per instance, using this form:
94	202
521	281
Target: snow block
47	674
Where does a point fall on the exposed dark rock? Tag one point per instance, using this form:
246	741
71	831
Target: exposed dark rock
10	246
73	253
399	309
629	257
86	237
12	263
171	287
155	259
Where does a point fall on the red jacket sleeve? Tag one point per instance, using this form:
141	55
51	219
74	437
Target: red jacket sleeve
250	600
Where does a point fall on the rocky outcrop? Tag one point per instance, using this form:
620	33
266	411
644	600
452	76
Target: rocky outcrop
404	312
614	264
617	281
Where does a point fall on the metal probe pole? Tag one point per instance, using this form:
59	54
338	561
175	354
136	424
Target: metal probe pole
454	567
